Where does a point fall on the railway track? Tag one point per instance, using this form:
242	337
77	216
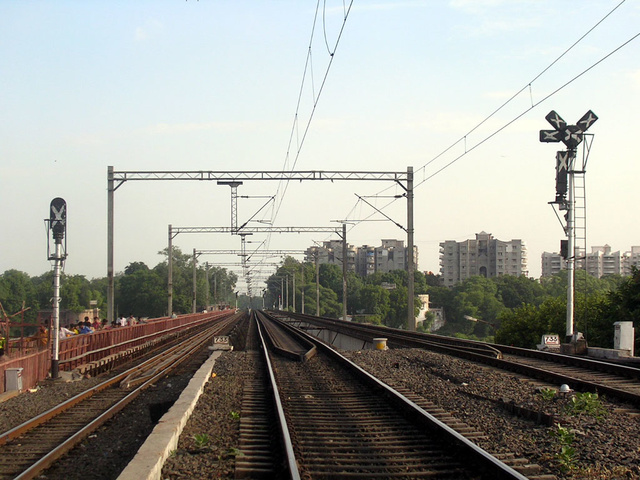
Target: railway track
340	422
35	445
580	373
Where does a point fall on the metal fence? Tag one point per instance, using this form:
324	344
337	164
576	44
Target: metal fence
34	358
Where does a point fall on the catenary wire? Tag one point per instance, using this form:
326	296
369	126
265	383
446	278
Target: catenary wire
533	105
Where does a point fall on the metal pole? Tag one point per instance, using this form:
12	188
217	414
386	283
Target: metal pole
193	306
294	293
208	285
286	305
411	319
302	288
170	274
281	292
344	271
56	310
110	278
570	246
317	287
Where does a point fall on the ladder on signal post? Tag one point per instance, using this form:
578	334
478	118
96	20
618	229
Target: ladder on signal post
580	204
580	219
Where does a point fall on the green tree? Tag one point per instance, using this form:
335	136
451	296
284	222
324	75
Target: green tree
619	305
373	299
355	284
182	268
397	313
331	277
524	326
476	297
75	293
16	290
141	292
517	291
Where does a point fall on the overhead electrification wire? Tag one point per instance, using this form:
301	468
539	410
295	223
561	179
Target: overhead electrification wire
525	111
316	98
295	130
533	105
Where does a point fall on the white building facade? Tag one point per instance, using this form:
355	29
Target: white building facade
364	260
484	256
599	262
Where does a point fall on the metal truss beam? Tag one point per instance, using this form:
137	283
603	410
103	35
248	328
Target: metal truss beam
115	179
235	176
259	253
251	230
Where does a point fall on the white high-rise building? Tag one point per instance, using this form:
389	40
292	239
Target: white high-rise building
364	260
599	262
484	256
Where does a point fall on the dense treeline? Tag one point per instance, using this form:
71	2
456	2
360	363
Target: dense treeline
139	290
511	310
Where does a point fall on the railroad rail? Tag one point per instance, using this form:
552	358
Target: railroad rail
582	374
32	447
342	422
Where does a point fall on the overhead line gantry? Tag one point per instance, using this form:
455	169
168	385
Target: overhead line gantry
115	179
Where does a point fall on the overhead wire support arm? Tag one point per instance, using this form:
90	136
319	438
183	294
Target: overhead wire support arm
381	212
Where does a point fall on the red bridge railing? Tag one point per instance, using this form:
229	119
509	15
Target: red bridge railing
35	360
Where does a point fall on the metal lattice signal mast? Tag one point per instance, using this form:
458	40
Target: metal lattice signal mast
115	180
571	136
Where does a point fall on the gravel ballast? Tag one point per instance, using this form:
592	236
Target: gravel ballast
605	448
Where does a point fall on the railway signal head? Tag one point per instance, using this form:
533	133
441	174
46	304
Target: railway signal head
58	218
586	121
570	135
555	120
548	136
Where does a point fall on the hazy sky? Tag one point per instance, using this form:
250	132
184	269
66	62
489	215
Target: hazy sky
218	85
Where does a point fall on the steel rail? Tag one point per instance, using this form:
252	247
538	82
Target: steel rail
289	454
177	355
416	340
577	361
399	338
493	466
285	341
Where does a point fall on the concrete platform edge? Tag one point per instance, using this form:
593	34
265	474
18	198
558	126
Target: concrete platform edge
147	463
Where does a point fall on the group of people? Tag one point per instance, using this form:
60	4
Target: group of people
127	321
87	326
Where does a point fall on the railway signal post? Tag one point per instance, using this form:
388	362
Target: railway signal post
571	136
58	225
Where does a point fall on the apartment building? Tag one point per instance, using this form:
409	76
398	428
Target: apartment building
599	262
364	260
484	256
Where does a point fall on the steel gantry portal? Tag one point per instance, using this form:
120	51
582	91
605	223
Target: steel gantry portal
115	179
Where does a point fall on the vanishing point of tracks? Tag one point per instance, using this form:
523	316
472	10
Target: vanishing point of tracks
340	422
35	445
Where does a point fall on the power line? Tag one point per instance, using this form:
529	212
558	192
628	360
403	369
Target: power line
533	105
316	99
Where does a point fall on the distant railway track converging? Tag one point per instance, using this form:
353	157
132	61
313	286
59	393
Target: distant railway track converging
341	422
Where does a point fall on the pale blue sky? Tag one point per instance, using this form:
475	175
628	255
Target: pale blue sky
213	85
